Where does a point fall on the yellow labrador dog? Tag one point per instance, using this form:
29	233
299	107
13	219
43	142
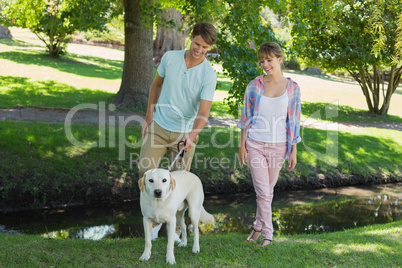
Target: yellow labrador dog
164	198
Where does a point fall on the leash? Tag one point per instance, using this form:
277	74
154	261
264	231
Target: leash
180	154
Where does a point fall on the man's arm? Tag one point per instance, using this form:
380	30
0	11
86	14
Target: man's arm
199	123
154	93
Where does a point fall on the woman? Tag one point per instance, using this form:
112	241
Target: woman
270	126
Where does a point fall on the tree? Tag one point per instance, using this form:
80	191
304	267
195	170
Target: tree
240	33
138	56
5	32
240	25
170	37
140	15
239	37
54	20
357	36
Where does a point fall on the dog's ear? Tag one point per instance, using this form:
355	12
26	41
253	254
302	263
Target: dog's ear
141	183
172	182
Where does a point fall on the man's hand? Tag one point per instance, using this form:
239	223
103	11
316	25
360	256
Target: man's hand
144	127
188	140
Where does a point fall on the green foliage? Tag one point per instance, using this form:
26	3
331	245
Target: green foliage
398	46
241	30
239	37
356	36
53	21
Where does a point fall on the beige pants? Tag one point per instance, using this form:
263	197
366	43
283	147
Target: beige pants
156	142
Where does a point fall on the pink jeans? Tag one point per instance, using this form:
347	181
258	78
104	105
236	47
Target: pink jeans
265	161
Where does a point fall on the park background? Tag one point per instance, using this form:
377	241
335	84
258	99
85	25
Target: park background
343	144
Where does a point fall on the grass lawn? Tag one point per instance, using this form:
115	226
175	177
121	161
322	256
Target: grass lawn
40	165
372	246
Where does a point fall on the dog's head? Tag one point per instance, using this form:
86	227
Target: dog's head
157	182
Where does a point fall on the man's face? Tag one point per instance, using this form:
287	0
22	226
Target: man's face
198	47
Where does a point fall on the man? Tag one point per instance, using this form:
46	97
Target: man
179	101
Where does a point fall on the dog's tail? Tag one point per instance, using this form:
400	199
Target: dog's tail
206	217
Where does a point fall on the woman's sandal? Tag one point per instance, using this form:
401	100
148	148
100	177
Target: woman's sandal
265	242
254	235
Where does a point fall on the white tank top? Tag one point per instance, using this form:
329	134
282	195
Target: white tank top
270	124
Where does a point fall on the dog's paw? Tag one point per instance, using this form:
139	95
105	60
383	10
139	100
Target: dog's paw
170	259
145	256
183	244
196	249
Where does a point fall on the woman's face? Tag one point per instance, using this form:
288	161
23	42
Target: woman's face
271	64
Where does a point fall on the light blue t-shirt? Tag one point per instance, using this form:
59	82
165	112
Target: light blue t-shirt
182	91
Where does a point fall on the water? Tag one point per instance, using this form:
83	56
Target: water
294	212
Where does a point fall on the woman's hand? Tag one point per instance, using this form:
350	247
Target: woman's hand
243	155
292	159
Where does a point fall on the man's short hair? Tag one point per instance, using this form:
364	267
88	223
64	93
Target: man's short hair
207	32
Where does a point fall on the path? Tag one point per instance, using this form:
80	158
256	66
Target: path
86	116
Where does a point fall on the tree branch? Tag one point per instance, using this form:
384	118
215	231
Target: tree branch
398	76
365	90
42	39
390	90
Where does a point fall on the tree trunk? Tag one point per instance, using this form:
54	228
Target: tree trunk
138	64
372	87
365	88
395	78
170	38
5	32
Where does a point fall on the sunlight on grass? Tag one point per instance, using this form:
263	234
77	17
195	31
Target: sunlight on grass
74	151
21	91
220	109
359	248
394	233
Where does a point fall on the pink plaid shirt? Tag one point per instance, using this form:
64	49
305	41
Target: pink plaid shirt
252	97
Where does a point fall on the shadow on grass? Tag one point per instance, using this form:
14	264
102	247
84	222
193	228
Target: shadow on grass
224	85
340	157
343	113
51	169
15	43
92	67
21	91
348	153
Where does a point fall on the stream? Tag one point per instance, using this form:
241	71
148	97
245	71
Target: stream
294	212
